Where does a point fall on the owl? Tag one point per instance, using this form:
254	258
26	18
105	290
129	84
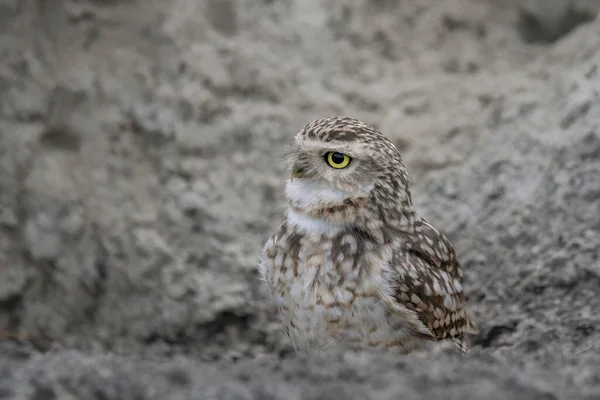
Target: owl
353	264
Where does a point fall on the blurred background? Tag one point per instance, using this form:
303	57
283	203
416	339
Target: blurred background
140	175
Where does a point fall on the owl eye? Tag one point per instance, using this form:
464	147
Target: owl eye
337	160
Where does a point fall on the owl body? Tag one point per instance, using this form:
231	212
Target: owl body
353	264
322	296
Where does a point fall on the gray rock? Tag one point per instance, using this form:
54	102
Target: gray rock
131	221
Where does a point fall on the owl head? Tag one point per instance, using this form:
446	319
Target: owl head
334	159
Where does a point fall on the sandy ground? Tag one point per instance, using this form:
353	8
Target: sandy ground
140	176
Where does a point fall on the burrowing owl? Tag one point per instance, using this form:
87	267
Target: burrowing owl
353	263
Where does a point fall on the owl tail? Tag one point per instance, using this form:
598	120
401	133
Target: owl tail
461	343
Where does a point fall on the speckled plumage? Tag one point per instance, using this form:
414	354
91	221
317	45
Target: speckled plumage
353	263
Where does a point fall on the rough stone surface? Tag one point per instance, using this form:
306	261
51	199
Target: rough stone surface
140	176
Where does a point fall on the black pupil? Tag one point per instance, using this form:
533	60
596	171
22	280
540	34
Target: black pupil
337	158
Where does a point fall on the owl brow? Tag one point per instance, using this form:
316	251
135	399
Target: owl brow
344	149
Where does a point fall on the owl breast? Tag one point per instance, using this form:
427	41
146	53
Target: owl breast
325	296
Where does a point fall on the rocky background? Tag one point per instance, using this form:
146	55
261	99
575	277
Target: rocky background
139	177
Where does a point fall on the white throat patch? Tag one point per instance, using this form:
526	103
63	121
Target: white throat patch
308	193
309	224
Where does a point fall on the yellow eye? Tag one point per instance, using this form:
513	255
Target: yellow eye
337	160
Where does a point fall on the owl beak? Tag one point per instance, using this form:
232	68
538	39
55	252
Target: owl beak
296	173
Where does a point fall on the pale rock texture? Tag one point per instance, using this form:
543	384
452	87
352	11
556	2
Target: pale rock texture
140	176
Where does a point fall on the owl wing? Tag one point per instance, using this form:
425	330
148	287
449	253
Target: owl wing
427	280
